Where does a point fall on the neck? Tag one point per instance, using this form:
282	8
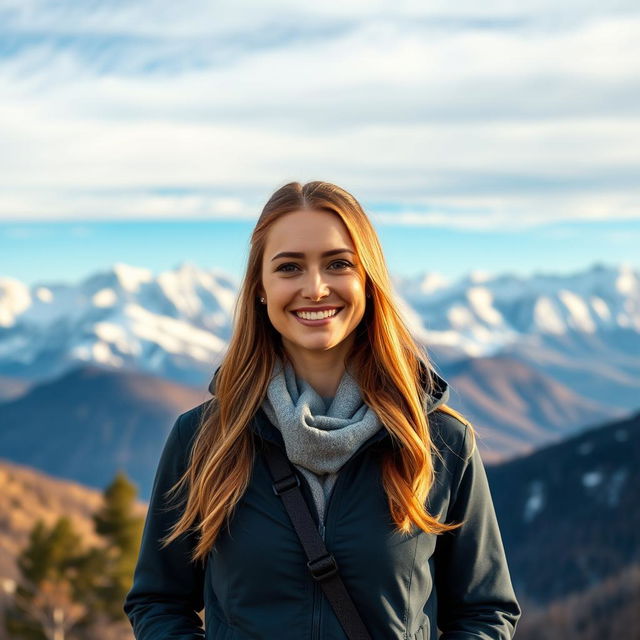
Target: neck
323	370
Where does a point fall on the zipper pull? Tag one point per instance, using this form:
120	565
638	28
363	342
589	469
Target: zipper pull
321	530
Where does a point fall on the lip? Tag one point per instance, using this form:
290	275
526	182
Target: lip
316	323
329	308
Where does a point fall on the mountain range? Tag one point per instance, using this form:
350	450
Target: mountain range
529	361
91	421
178	322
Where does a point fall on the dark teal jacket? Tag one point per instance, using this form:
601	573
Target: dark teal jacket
256	583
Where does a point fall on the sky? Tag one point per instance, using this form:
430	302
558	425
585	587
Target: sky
490	136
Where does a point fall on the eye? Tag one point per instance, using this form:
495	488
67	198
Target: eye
282	267
291	267
344	264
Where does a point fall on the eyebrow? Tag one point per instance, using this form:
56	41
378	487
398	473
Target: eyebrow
297	254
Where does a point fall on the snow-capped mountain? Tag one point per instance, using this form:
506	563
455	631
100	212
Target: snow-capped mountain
581	329
173	325
481	315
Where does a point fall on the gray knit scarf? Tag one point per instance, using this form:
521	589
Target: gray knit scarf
319	440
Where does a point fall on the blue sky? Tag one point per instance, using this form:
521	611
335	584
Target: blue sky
70	251
469	128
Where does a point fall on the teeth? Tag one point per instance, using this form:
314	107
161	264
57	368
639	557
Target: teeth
316	315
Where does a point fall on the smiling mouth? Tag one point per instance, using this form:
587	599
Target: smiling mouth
317	315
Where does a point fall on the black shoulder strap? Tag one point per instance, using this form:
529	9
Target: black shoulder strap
321	563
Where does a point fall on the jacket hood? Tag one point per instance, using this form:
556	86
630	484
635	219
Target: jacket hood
439	394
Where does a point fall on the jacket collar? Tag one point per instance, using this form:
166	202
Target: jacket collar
261	425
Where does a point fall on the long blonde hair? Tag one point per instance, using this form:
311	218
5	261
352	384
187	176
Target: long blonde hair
386	360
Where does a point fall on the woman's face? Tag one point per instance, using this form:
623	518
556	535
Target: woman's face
313	283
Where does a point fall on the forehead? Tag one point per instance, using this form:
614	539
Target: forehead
307	231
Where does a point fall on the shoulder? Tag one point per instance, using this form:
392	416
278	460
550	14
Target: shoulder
451	432
453	437
188	423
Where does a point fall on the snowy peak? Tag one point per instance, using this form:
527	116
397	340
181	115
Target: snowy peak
121	277
172	325
490	312
15	298
178	323
627	282
131	278
193	290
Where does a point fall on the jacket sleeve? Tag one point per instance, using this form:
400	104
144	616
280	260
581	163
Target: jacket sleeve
167	590
473	586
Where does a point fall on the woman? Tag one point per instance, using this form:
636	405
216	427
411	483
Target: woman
321	366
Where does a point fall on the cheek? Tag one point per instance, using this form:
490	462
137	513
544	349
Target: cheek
280	296
272	287
357	293
278	299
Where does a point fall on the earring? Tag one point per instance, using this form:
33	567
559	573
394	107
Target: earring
262	300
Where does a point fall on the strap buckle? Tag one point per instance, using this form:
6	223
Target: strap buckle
323	567
286	484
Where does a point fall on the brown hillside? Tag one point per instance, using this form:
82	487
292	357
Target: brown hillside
27	495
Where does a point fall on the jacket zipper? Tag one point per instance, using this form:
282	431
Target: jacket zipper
317	599
322	531
315	628
317	590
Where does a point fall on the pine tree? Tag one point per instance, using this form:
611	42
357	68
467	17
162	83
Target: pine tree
66	589
116	522
44	604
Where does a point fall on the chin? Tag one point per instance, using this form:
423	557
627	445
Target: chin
316	345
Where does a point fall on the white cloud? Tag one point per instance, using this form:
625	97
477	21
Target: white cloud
198	17
478	112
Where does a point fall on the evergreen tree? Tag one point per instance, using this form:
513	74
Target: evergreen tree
116	522
44	606
66	589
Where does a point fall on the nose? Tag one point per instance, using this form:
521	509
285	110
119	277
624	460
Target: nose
314	286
